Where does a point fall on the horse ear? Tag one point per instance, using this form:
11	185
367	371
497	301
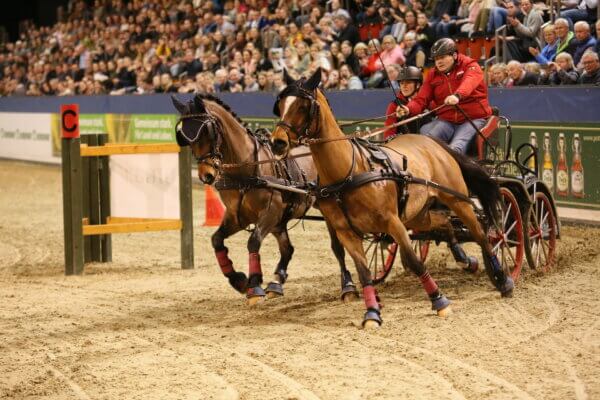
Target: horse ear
313	82
199	104
287	78
179	106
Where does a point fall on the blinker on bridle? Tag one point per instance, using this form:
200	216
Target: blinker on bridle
210	123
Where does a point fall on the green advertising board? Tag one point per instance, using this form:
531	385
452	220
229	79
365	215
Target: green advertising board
568	155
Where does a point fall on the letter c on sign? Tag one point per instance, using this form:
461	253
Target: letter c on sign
71	128
69	118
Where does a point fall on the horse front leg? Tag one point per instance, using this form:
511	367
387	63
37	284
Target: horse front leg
265	225
275	287
227	228
349	291
353	244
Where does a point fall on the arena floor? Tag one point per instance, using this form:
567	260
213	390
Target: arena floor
140	327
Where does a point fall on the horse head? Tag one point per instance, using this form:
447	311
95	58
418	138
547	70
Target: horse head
298	111
200	130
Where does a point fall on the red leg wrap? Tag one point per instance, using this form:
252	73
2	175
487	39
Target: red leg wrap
224	262
254	264
428	283
370	296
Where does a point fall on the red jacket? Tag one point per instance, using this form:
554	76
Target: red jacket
392	119
464	79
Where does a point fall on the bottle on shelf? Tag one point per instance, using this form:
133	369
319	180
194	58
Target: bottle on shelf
548	167
577	169
533	142
562	171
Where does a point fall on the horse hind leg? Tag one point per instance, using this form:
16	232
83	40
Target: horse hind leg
227	228
349	291
499	278
439	302
275	287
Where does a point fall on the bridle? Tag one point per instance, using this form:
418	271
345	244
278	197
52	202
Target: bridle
214	158
313	114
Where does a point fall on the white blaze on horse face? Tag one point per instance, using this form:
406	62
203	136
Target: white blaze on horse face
287	104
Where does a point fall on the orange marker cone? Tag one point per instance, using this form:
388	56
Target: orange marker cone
214	207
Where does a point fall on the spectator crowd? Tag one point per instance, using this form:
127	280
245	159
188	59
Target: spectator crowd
212	46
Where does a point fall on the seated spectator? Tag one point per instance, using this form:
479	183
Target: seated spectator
563	72
393	19
303	58
346	30
580	10
425	33
467	15
349	58
221	84
392	53
393	72
498	15
441	18
549	51
348	80
527	32
564	36
413	51
166	84
518	75
591	69
250	84
500	73
583	41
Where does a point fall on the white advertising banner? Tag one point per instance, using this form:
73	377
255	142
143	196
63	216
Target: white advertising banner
144	185
26	136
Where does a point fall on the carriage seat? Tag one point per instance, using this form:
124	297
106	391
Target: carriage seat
490	132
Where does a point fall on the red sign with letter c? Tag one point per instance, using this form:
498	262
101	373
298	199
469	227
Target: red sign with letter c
69	120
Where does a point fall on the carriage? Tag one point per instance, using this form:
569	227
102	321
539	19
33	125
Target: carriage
530	226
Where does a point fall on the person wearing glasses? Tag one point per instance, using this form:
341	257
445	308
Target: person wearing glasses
457	83
591	69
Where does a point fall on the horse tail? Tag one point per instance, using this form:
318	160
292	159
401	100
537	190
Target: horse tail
479	182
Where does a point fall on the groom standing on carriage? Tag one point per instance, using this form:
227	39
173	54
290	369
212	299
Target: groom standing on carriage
456	81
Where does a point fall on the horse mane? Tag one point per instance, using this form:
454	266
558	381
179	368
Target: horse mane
225	106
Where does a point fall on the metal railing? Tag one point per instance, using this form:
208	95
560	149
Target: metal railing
501	37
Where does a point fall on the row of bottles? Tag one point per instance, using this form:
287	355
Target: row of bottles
562	170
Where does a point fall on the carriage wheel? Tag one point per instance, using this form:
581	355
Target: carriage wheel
507	240
421	248
381	253
541	237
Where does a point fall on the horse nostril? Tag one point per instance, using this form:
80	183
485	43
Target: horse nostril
279	146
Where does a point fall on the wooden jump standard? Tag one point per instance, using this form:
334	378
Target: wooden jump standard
86	200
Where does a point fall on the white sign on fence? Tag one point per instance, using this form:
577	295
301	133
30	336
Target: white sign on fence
144	186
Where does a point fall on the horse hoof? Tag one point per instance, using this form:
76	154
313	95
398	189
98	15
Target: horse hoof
274	290
349	297
371	325
252	301
440	303
273	295
444	312
472	265
372	319
507	288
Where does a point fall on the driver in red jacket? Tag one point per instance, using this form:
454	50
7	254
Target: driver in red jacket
455	80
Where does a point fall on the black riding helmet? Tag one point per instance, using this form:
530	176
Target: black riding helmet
410	73
443	47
